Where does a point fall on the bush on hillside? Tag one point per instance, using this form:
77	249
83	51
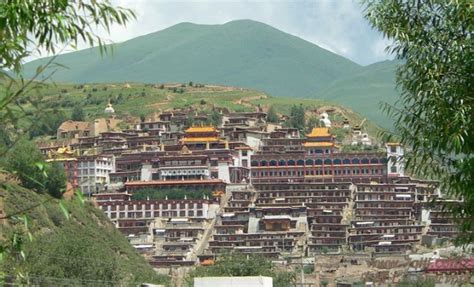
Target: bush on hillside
172	193
26	162
84	250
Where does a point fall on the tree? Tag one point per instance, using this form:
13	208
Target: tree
434	117
297	117
55	182
26	162
215	118
33	27
272	115
243	265
46	123
77	114
30	26
313	122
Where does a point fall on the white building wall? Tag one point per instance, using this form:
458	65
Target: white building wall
95	173
146	172
223	172
395	160
248	281
253	141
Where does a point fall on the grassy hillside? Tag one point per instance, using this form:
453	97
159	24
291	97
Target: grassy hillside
135	99
365	91
85	250
240	53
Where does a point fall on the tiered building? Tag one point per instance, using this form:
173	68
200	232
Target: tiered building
246	186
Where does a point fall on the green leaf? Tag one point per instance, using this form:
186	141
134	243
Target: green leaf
80	196
64	210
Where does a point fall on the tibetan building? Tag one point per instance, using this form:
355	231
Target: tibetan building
201	138
317	159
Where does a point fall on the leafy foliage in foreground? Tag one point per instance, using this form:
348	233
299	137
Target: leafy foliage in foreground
26	162
84	250
243	265
435	115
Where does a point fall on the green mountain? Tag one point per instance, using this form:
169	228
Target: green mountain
240	53
366	91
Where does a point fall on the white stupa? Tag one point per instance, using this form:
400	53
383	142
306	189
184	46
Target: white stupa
324	118
109	110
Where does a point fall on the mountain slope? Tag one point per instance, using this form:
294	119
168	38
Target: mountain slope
84	250
240	53
366	91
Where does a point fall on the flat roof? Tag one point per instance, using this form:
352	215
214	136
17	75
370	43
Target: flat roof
276	217
176	182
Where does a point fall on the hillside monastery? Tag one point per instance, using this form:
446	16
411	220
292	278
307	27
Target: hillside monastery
277	193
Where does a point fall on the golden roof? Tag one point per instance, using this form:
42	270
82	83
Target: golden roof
65	150
208	129
319	132
318	144
201	139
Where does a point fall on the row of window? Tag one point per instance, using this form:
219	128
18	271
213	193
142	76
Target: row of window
92	171
319	193
283	173
327	161
383	197
149	214
407	204
93	164
389	231
150	207
301	187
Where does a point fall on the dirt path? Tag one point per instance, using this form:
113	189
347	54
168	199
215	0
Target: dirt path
247	101
169	98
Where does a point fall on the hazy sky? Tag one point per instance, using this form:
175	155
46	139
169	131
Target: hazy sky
336	25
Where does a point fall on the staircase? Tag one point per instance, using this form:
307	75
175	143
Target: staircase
203	243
